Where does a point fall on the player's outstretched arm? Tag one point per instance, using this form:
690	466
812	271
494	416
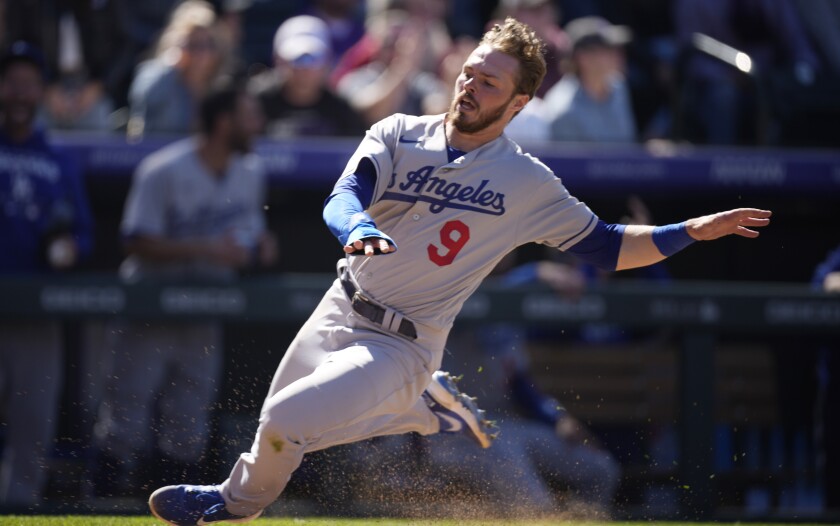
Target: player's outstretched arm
646	245
344	213
736	222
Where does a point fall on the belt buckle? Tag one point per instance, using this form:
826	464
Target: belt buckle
379	313
367	308
361	297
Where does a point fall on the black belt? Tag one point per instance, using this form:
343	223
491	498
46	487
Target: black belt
372	311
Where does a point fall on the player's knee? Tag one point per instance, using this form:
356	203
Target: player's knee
280	426
276	436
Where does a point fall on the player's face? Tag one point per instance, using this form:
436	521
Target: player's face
200	53
485	92
248	121
20	93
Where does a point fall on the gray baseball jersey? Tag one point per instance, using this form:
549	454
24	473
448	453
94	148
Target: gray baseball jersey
454	221
175	196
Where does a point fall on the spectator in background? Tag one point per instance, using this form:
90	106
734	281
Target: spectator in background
651	62
81	44
592	101
544	17
344	20
231	28
45	226
549	447
821	20
194	212
541	447
165	92
430	15
467	18
294	93
140	23
580	8
395	81
827	274
718	100
827	278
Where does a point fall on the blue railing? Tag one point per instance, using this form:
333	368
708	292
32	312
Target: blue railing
317	162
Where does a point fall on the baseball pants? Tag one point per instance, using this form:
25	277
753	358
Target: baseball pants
168	371
31	362
343	379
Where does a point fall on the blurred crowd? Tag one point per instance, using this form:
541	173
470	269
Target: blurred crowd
218	75
709	72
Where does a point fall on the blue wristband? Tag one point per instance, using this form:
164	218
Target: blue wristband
360	219
670	239
361	226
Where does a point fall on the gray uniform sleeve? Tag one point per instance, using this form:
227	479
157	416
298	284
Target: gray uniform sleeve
145	207
378	146
555	217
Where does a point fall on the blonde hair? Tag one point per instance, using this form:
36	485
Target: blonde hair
518	40
185	18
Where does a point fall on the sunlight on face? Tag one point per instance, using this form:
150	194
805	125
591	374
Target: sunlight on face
484	91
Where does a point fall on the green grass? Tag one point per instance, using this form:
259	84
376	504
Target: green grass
17	520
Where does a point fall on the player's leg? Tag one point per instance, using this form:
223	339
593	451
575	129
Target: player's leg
34	357
190	391
442	408
138	359
417	419
326	327
315	340
326	383
502	473
355	385
592	472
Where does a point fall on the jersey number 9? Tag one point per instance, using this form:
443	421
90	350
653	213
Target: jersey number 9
453	236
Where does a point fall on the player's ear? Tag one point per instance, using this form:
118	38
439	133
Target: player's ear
520	100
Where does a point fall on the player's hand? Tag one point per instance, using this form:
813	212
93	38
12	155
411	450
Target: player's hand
566	280
832	282
409	50
735	221
62	252
369	246
227	251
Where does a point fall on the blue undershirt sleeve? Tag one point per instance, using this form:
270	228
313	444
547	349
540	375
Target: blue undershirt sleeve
344	210
361	183
601	246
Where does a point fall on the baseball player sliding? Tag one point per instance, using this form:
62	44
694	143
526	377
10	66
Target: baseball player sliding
424	210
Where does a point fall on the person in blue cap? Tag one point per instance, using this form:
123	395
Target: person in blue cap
45	227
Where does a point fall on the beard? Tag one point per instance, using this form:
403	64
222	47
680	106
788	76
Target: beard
482	121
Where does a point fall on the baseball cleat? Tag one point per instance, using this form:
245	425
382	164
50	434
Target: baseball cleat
187	505
457	412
